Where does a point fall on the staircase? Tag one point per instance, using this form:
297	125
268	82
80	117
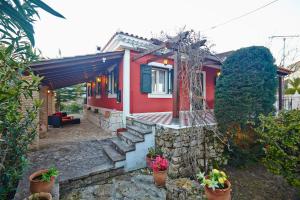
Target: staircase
128	149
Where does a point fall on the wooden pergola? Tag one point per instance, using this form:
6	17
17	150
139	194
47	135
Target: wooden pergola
63	72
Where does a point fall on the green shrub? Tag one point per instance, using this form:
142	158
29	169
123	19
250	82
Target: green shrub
245	89
281	138
71	108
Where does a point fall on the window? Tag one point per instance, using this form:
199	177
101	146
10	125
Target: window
111	83
159	81
98	87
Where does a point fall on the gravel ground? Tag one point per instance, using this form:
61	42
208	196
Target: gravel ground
256	183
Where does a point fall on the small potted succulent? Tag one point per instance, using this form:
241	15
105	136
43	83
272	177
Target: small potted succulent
151	155
40	196
160	167
216	185
43	180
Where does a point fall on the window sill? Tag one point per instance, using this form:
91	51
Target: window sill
111	96
165	96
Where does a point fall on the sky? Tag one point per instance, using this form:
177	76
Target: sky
91	23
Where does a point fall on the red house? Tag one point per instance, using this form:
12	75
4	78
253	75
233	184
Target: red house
122	81
139	86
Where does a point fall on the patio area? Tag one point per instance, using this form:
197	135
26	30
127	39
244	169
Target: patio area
76	150
73	133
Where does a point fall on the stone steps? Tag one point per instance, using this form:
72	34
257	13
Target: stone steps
121	146
113	154
129	148
138	130
130	138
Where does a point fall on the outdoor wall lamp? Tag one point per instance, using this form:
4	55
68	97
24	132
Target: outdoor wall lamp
218	74
48	91
98	79
165	61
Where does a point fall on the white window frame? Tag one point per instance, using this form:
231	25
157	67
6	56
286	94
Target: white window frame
160	66
157	70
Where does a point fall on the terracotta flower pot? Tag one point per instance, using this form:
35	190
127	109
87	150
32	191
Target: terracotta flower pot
160	178
219	194
37	185
40	196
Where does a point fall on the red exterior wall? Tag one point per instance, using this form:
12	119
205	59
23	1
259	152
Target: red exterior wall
104	101
211	75
139	102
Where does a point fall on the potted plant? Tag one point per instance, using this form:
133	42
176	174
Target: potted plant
40	196
216	185
160	166
42	180
151	155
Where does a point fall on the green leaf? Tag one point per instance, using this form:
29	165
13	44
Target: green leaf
19	19
47	8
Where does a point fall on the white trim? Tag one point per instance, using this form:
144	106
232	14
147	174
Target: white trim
126	85
165	96
102	108
157	75
157	64
121	41
112	96
134	114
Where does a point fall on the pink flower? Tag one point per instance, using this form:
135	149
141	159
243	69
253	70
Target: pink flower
160	164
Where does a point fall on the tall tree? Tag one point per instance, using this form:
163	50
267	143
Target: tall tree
245	89
293	86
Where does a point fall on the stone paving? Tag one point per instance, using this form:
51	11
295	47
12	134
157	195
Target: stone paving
73	133
131	186
73	159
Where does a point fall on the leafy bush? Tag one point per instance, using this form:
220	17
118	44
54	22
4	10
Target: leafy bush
71	108
281	138
17	124
245	89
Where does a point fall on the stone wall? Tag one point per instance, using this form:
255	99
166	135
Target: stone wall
107	119
43	110
186	150
29	103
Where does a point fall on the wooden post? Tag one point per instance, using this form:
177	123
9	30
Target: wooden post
176	87
280	92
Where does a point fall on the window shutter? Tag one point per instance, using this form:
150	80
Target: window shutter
146	79
170	82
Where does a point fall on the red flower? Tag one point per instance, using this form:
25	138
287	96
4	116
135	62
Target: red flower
160	164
